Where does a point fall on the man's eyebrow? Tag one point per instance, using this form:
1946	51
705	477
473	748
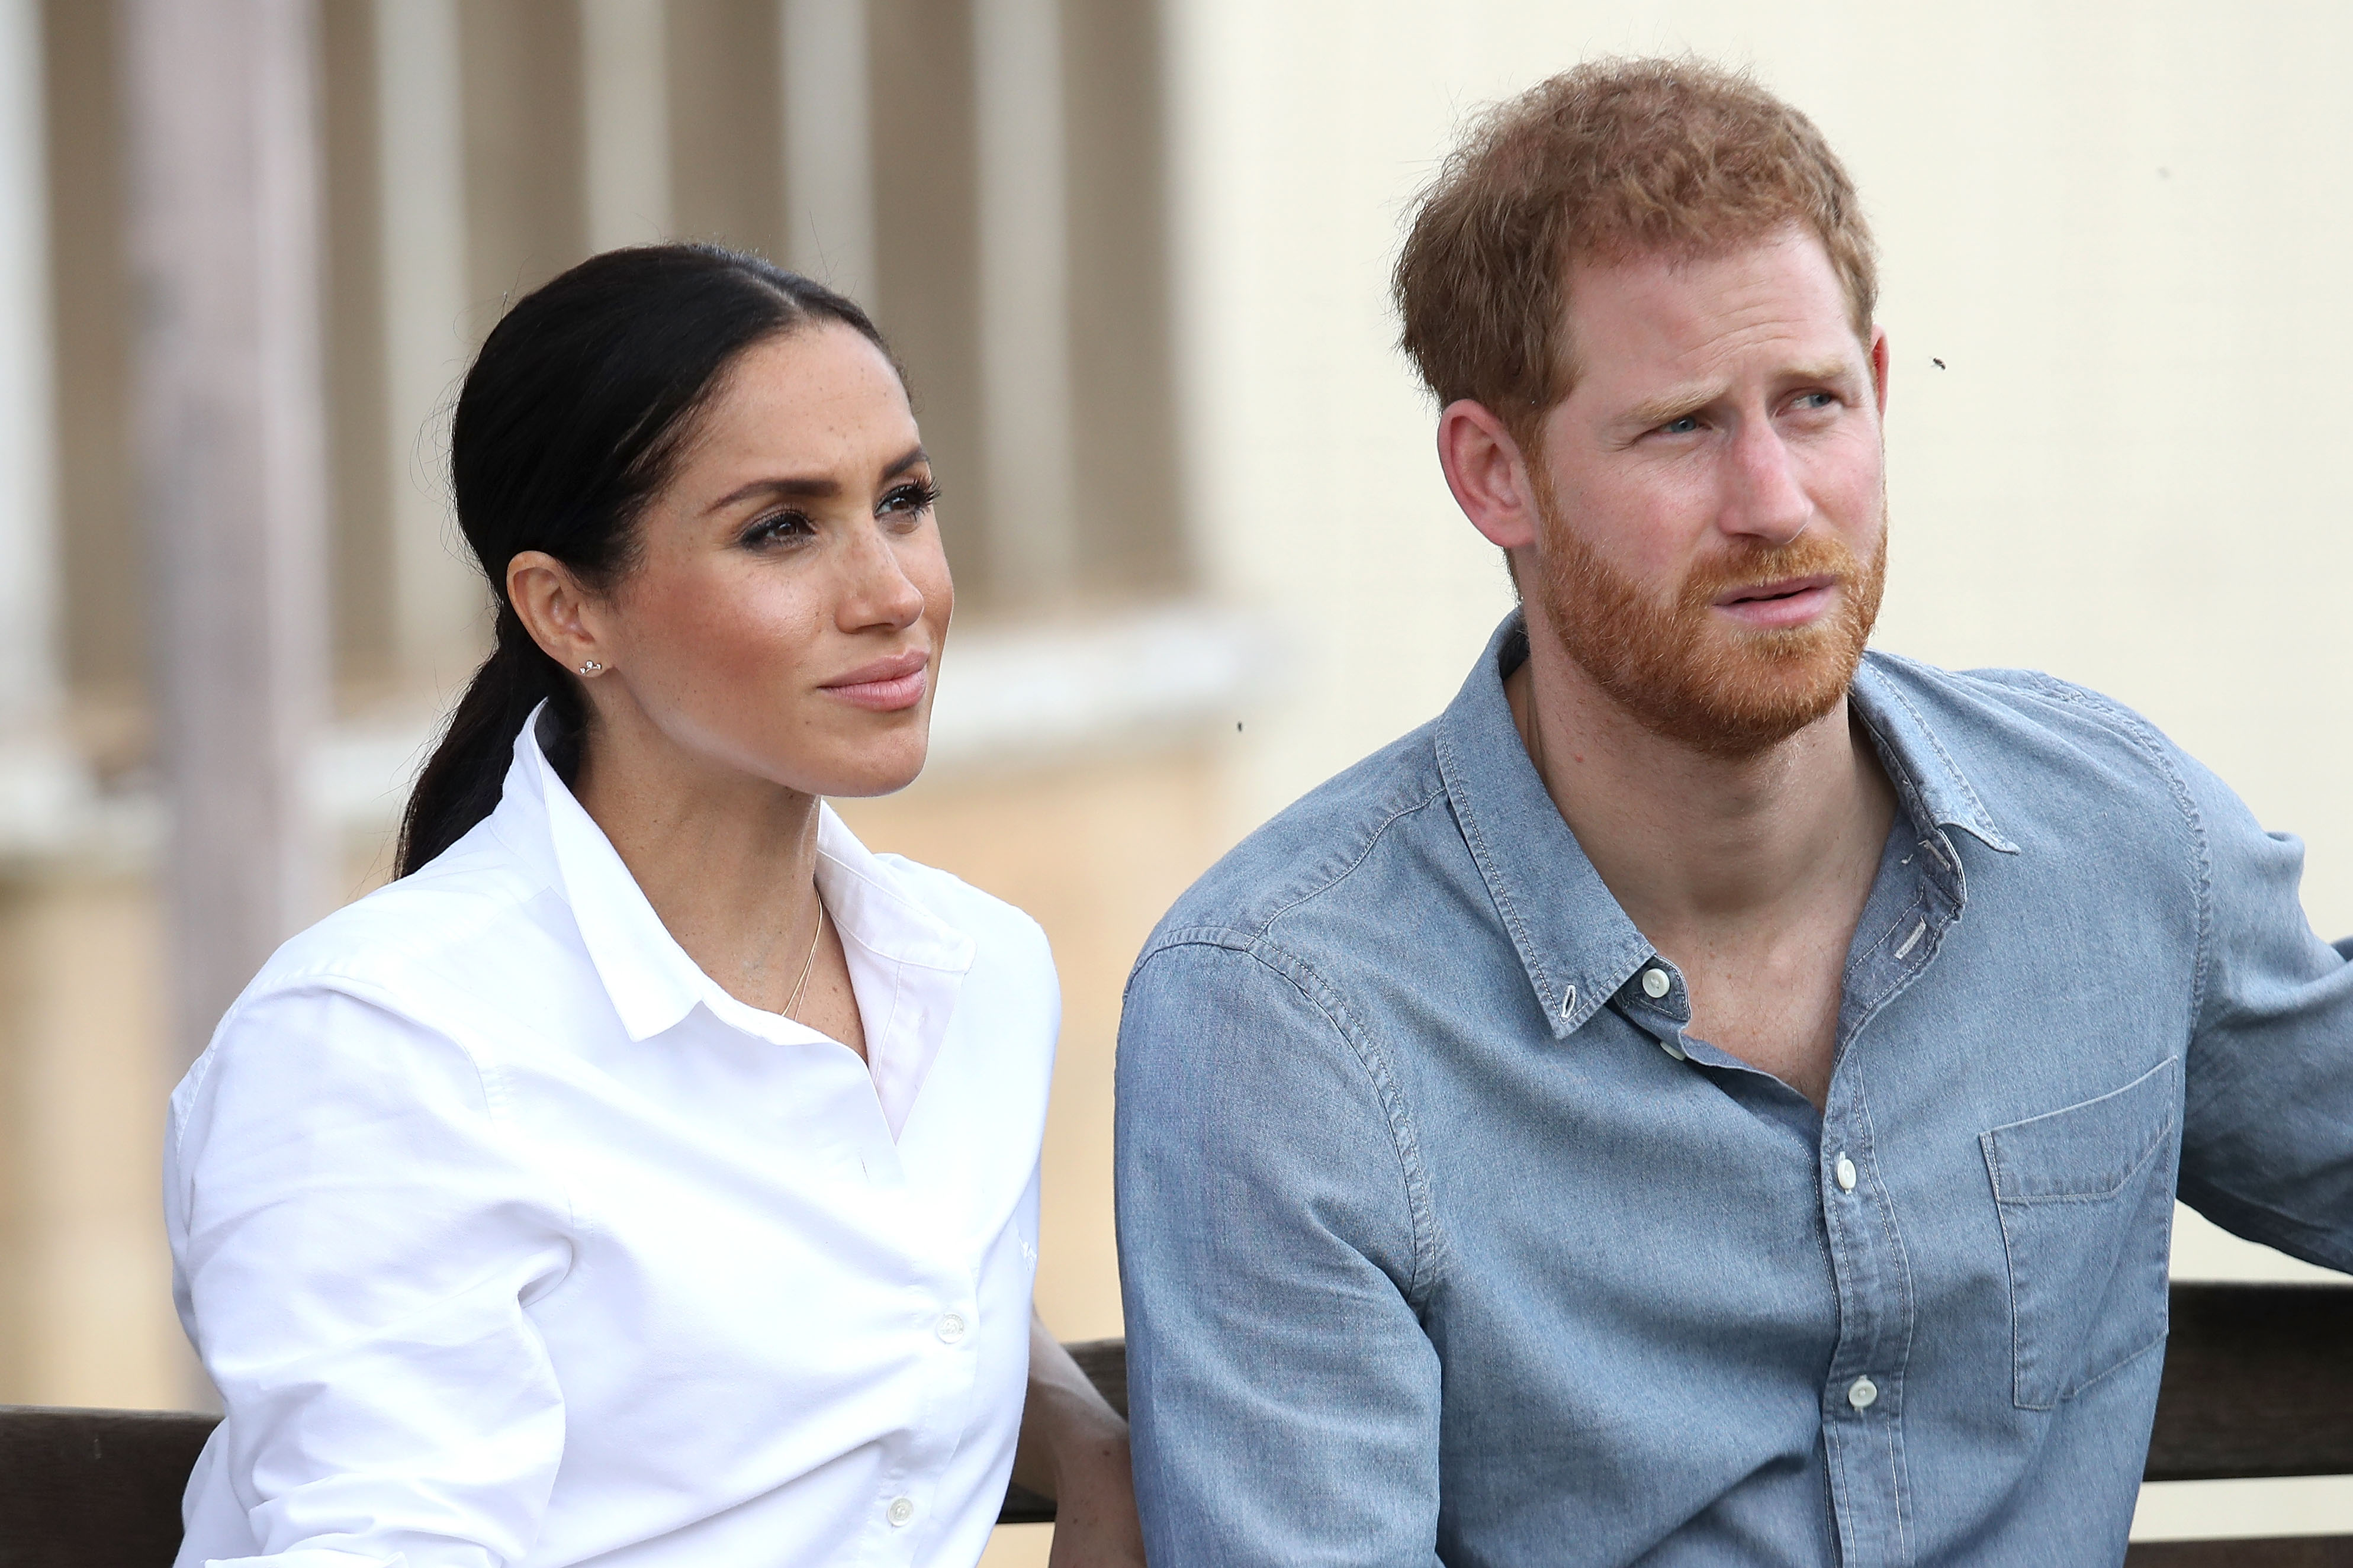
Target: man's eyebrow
1672	406
1668	406
815	487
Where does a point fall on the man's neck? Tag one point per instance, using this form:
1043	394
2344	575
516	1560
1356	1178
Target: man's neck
1703	849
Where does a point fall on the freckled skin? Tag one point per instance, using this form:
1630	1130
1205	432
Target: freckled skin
1722	411
1740	335
795	544
722	647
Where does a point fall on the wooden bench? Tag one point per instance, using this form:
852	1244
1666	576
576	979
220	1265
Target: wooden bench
2258	1381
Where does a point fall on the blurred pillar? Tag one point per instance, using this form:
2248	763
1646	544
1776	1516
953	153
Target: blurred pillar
1025	341
438	597
224	246
625	102
828	144
30	587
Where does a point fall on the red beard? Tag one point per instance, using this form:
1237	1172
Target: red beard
1688	674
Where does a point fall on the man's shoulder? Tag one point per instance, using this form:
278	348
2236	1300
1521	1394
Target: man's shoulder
1307	854
1999	702
2025	743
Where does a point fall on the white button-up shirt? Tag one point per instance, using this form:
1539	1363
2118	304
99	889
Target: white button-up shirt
509	1237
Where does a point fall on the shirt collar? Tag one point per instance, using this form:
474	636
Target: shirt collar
1576	945
652	983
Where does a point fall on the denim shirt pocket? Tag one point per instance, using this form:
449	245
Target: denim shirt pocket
2086	1211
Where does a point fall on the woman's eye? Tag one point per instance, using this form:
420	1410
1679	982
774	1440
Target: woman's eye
911	499
778	528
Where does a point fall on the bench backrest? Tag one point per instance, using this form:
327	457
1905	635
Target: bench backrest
2258	1381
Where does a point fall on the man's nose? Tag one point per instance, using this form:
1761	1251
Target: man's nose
1763	498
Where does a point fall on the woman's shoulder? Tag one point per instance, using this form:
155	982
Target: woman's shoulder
1000	931
470	916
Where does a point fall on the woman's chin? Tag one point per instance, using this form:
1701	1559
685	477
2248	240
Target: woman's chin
877	772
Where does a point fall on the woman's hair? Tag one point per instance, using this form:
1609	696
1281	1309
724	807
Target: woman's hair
571	419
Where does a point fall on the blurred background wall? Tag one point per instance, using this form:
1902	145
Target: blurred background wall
1134	255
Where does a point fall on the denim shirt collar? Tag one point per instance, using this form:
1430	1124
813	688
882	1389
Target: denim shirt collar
1576	942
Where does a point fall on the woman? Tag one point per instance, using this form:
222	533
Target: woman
650	1175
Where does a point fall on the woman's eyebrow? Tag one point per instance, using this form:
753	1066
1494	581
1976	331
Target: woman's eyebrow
815	487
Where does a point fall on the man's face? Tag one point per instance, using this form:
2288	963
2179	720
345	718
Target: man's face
1714	530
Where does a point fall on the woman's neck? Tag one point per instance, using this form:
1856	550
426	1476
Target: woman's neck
727	860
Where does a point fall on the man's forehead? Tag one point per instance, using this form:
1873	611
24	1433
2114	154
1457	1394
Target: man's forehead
1679	313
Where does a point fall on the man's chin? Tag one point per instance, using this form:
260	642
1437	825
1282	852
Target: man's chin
1740	706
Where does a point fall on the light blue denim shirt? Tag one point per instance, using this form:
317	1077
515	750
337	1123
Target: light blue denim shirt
1442	1240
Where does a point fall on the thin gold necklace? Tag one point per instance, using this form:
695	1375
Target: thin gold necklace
807	965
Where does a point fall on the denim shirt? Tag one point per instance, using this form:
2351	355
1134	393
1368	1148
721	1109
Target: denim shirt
1444	1240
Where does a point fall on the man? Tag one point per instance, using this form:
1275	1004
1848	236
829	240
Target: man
1714	1096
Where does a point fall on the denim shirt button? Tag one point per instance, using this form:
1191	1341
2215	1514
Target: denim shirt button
1673	1047
1655	983
1863	1393
1845	1174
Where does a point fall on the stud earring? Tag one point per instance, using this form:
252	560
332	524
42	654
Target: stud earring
589	666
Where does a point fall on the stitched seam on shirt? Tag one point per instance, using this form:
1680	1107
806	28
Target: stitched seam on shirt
1320	995
2143	735
497	1103
1904	1271
2008	1277
2325	1244
1345	872
1474	838
1960	780
196	1077
1315	884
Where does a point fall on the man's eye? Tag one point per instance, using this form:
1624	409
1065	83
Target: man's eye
1685	426
1816	400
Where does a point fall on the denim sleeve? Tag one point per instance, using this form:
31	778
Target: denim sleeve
2267	1123
1283	1394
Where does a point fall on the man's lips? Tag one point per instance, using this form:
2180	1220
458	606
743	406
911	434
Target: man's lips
885	685
1789	602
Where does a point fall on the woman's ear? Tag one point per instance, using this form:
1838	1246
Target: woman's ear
1488	474
558	611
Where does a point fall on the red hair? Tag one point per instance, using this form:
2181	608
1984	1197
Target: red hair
1612	160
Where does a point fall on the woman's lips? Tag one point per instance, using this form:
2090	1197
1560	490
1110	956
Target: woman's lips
885	686
1790	603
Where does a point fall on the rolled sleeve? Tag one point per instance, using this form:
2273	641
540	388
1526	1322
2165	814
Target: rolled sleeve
1284	1397
2268	1136
357	1234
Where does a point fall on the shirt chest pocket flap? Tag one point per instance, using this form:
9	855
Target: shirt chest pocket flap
2085	1199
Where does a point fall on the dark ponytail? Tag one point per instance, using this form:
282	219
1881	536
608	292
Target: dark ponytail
571	419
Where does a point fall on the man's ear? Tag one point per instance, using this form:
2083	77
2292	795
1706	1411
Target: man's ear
1879	367
1488	474
556	610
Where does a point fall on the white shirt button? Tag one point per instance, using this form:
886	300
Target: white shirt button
950	1330
1845	1174
1655	983
1863	1393
902	1509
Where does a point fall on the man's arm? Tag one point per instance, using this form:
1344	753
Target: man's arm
2267	1125
1284	1396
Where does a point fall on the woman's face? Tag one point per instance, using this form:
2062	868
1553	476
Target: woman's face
785	614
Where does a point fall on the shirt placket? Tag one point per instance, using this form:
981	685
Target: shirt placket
1862	1394
941	1323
